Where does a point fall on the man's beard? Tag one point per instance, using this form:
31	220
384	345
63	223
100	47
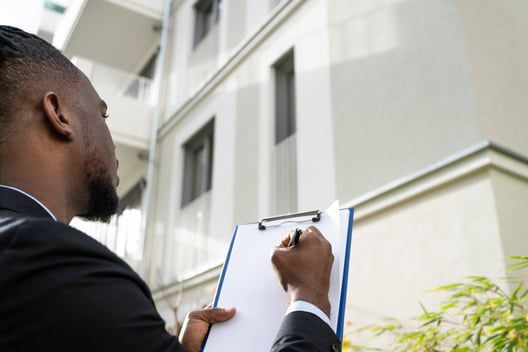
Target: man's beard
102	195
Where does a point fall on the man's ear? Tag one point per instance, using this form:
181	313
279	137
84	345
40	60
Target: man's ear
59	122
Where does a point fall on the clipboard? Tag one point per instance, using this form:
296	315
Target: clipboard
248	282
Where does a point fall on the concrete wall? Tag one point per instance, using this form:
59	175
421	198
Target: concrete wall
402	93
385	90
377	82
511	197
360	131
189	65
437	238
496	37
243	109
107	33
463	218
167	206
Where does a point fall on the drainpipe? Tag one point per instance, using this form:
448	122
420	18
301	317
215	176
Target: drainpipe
151	166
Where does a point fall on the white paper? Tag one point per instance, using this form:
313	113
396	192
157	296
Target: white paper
251	285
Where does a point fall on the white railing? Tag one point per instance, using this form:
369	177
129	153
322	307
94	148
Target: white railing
108	79
122	235
190	245
284	177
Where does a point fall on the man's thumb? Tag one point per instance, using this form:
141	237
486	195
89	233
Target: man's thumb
215	315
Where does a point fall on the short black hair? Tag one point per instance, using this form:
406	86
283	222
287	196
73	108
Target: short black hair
25	62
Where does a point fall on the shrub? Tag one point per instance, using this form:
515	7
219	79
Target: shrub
477	315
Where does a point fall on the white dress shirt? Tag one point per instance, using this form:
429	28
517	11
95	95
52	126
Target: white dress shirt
297	306
303	306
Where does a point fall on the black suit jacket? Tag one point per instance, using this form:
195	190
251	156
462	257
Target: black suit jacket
60	290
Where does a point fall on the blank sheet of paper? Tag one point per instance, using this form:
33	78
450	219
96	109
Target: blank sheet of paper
249	283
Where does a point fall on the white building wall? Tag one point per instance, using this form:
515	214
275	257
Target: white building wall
465	218
167	206
385	90
25	14
402	91
497	42
189	66
402	253
511	197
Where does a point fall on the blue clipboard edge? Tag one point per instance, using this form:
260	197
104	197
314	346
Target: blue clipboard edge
343	296
344	287
220	282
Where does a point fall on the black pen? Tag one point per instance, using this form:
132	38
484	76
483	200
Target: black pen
294	239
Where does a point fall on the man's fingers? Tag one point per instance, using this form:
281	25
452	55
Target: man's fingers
312	231
279	255
284	242
216	315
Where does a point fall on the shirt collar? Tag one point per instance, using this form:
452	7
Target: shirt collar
33	198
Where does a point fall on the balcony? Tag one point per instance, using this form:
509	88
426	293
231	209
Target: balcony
117	33
128	99
122	235
150	8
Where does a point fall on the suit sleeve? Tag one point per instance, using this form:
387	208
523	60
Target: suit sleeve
109	313
302	331
87	299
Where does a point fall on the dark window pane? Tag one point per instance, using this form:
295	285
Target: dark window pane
199	170
198	166
284	98
207	13
50	5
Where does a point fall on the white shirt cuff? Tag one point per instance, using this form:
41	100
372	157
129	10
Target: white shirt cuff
303	306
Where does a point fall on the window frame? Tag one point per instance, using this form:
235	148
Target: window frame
192	188
206	17
285	97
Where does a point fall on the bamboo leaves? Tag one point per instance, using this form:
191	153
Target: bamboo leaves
476	315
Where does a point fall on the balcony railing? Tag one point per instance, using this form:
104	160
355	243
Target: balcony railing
110	80
191	235
129	99
122	235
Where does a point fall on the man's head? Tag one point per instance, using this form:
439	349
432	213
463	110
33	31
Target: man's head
53	134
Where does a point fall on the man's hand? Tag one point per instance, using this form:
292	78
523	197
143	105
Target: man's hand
197	324
304	269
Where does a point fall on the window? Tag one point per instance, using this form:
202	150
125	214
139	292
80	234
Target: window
123	234
52	6
47	36
150	67
207	14
284	164
284	97
139	88
198	166
128	223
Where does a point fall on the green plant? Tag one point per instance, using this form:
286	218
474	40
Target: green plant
477	315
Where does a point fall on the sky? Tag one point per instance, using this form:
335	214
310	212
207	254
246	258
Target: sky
25	14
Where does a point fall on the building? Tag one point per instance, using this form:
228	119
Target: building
115	43
411	111
34	16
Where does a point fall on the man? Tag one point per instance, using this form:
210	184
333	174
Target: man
60	290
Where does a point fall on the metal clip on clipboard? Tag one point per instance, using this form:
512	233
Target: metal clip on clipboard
314	214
